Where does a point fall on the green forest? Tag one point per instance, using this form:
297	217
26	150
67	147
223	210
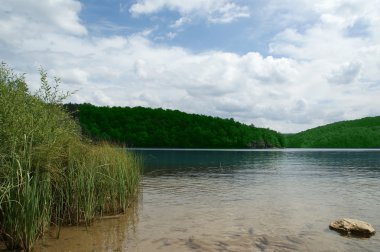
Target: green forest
147	127
361	133
165	128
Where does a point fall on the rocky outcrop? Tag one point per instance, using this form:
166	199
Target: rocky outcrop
352	227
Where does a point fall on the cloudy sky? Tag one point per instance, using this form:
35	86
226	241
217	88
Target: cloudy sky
288	65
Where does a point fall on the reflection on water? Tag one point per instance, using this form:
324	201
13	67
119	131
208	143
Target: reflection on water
281	200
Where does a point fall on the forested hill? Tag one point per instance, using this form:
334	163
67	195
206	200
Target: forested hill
361	133
146	127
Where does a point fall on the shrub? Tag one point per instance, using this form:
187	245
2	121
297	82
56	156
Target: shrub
49	174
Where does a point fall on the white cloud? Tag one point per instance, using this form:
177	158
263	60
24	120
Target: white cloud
34	17
180	22
291	90
171	35
270	70
228	13
216	11
345	74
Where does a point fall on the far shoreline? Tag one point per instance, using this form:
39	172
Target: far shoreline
251	150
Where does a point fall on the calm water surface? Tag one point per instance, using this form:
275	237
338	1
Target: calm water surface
239	200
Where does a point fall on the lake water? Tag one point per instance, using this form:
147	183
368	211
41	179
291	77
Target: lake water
241	200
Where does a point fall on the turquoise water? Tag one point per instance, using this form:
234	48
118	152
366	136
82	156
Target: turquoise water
247	200
241	200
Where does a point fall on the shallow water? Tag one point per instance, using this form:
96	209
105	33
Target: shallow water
239	200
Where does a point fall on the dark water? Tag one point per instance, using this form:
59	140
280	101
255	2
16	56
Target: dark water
282	200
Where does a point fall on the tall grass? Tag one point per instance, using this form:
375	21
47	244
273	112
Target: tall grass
26	204
49	174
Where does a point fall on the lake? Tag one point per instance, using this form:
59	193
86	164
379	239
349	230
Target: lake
241	200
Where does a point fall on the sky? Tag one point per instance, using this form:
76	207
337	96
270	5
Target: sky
287	65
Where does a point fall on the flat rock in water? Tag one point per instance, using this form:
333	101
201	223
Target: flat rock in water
352	227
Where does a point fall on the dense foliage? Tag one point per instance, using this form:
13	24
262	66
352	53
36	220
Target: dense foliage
49	174
361	133
146	127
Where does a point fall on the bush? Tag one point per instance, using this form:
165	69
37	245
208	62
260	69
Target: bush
48	173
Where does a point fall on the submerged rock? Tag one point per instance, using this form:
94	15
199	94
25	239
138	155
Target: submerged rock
352	227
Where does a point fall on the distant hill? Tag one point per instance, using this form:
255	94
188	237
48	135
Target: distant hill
361	133
147	127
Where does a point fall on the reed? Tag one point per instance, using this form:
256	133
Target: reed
50	174
26	203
